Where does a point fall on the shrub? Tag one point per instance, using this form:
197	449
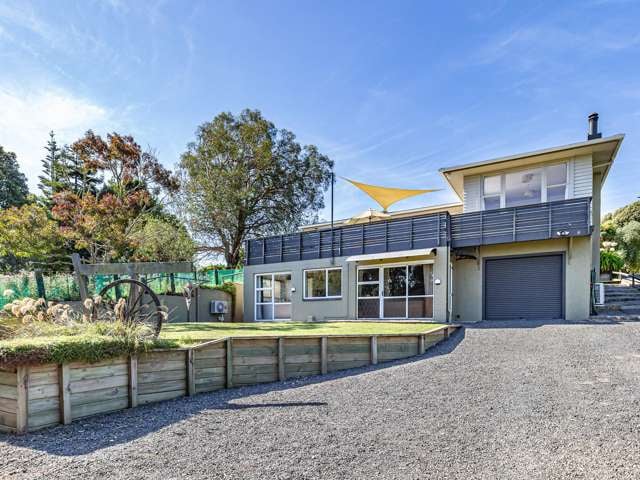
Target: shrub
610	261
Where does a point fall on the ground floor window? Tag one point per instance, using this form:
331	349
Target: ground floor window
395	291
323	283
273	296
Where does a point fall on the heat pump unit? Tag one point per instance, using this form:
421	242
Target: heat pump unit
598	291
218	307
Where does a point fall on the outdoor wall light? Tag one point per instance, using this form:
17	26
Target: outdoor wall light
436	281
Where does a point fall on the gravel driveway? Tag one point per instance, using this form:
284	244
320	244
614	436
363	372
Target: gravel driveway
501	400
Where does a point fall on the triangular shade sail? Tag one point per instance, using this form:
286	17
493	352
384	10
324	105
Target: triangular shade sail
386	196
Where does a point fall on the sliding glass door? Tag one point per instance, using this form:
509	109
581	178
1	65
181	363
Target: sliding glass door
273	297
396	291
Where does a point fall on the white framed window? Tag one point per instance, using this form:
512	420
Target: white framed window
272	296
525	187
396	291
322	283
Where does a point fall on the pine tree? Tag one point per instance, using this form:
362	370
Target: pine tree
78	178
13	183
53	171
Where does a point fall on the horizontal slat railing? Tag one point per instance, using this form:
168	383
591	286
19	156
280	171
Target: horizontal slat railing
428	231
542	221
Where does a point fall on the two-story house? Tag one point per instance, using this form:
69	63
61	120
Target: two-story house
523	243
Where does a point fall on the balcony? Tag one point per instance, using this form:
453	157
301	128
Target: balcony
542	221
427	231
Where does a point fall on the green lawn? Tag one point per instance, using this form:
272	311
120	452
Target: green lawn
187	333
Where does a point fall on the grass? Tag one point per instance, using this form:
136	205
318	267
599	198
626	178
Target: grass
88	347
189	333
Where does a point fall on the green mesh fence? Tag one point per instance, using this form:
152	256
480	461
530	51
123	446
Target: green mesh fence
63	286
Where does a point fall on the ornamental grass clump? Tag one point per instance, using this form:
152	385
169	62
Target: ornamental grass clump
33	332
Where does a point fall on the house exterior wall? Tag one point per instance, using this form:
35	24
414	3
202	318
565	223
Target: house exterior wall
468	276
595	221
343	308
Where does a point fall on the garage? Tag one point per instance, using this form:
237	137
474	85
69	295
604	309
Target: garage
529	287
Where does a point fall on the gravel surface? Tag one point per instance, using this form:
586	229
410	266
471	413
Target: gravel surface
500	400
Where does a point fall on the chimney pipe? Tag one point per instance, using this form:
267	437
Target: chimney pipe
593	127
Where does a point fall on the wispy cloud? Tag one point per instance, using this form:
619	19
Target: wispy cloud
28	114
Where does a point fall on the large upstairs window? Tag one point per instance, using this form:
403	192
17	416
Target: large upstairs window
525	187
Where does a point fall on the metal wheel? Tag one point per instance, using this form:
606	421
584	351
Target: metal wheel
138	303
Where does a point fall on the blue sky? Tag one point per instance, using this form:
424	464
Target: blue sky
391	90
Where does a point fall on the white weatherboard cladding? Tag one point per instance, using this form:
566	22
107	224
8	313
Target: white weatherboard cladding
579	183
472	194
582	177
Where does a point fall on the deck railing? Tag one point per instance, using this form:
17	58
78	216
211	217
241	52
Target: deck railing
542	221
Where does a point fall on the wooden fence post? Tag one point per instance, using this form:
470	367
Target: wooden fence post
281	372
421	345
191	380
229	363
323	356
64	381
374	350
22	407
133	381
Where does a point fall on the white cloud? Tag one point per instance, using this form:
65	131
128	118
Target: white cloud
27	115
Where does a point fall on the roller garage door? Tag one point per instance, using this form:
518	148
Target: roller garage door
530	287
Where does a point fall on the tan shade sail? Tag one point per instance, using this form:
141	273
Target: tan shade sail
387	196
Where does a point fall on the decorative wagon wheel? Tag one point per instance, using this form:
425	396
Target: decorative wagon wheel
138	303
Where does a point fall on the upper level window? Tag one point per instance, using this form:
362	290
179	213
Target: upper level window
323	283
525	187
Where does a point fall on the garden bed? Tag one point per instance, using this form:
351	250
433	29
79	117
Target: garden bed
37	396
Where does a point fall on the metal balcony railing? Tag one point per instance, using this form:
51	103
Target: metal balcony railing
542	221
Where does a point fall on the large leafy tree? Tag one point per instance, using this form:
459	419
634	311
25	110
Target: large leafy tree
101	221
629	244
244	177
13	183
28	234
162	240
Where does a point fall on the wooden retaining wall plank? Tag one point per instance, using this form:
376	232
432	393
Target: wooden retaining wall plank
99	383
133	381
374	350
8	419
159	365
209	362
8	378
90	372
238	360
100	395
87	409
251	369
9	405
170	386
166	356
213	371
303	358
42	419
323	356
213	352
8	391
335	366
64	391
161	376
43	405
229	375
159	396
205	380
281	359
22	407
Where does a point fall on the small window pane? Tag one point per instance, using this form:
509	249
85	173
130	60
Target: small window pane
315	284
395	307
368	275
369	308
263	281
264	312
282	287
556	193
421	307
395	282
491	185
523	188
368	290
416	280
263	296
557	174
335	283
491	203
